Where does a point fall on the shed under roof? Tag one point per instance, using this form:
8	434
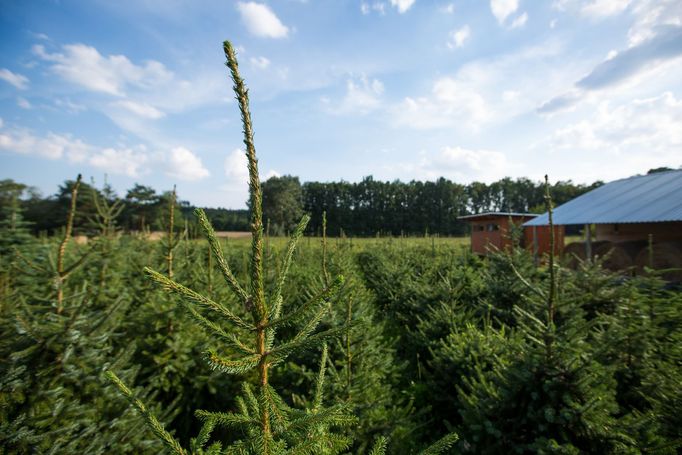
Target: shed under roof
648	198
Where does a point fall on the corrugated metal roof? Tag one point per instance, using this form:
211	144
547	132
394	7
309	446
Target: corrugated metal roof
641	199
496	214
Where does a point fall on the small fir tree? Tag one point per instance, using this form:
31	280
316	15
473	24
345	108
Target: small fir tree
554	397
265	423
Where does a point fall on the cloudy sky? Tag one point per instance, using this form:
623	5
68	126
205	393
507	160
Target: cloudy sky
340	89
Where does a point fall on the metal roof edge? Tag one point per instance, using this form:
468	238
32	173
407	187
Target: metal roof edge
498	214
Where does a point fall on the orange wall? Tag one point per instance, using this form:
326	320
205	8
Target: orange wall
543	239
483	241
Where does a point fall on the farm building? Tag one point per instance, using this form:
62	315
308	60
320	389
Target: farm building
638	220
492	231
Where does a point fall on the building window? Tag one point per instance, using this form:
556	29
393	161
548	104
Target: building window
492	227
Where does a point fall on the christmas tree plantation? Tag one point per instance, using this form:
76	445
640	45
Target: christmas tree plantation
197	344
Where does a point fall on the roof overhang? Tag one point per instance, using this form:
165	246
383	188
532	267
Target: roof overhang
496	215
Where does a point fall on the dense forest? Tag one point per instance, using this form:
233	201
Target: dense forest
365	208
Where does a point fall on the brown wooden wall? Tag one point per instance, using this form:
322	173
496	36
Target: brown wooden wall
662	232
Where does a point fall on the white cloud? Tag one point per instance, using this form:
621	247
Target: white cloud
652	124
631	137
185	165
237	173
458	37
503	8
452	103
23	103
363	95
83	65
520	21
603	8
489	91
133	161
455	163
260	62
269	174
627	68
402	5
378	6
650	16
552	23
449	8
147	90
18	80
236	167
69	106
141	109
149	83
456	97
124	161
51	146
261	21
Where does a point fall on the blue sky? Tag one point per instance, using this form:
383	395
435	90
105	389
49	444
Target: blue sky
340	89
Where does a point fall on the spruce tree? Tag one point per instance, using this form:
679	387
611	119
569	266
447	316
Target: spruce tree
14	230
640	340
52	398
554	396
267	424
363	366
263	422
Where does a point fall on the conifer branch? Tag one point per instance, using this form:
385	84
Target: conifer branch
256	199
195	297
552	273
312	323
28	262
212	327
225	419
349	353
281	352
441	445
335	415
152	421
171	234
551	297
286	263
325	274
379	447
278	408
75	265
204	434
319	384
62	246
525	282
324	296
270	332
251	401
239	366
218	253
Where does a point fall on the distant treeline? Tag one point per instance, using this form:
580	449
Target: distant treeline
144	209
364	208
415	208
